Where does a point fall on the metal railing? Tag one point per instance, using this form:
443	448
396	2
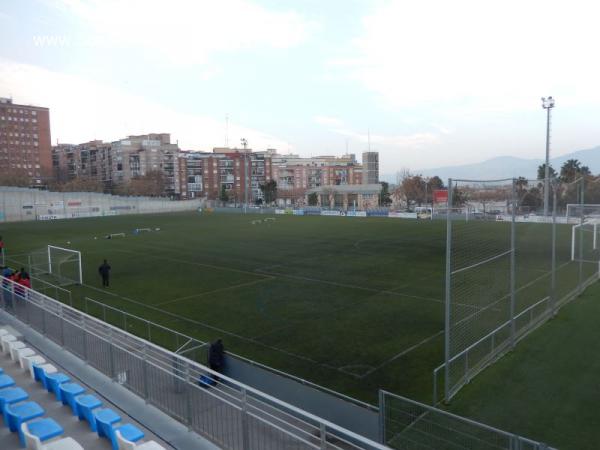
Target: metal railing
410	425
230	414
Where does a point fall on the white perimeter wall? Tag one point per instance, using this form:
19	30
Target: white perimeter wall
19	204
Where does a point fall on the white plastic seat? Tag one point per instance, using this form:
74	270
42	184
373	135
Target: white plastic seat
27	362
124	444
21	352
48	368
33	442
5	339
3	331
14	345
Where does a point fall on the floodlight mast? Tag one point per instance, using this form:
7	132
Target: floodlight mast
547	104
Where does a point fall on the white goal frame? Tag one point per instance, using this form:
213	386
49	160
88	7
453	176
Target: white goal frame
68	250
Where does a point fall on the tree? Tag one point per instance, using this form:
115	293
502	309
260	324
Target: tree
384	196
269	190
14	177
435	183
541	172
224	197
152	184
78	185
313	199
571	170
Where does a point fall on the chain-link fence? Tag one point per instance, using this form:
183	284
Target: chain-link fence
509	267
410	425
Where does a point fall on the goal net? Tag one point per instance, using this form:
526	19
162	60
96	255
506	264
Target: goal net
59	265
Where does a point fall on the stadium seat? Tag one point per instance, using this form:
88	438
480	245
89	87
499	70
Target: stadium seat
10	396
34	443
40	373
1	370
6	381
22	352
5	339
53	382
68	393
22	412
128	431
3	331
14	345
124	444
27	363
85	409
43	429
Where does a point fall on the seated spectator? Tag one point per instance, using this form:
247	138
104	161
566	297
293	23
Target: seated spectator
25	280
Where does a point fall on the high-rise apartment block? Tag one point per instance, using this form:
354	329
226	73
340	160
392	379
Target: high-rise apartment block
370	163
25	147
119	162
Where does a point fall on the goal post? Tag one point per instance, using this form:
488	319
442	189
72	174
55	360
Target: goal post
65	264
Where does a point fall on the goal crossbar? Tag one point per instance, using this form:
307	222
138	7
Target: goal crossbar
76	253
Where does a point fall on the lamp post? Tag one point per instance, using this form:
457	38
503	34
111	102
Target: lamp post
547	104
245	145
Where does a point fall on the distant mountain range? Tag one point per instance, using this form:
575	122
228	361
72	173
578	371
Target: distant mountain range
507	167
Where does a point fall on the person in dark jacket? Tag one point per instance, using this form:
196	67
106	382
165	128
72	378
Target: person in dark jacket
216	356
104	271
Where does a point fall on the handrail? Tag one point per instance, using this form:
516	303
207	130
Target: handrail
309	417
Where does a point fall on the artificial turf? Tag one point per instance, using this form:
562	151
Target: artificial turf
353	304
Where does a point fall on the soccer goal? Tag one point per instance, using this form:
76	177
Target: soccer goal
65	265
585	241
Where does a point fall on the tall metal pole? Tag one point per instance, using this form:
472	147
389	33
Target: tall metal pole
547	104
448	294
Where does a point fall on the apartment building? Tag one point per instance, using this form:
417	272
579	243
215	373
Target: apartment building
25	146
90	160
120	161
207	174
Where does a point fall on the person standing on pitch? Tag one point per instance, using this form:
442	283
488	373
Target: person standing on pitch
104	271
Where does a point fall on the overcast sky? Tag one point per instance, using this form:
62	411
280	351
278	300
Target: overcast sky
435	82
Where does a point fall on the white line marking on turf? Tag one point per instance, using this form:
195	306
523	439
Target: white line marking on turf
228	288
402	353
186	319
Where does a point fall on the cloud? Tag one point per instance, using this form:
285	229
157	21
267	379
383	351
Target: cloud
475	56
328	121
81	110
185	31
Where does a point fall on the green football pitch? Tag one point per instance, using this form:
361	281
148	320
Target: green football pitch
353	304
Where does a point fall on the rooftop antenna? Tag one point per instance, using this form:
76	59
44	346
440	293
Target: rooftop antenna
346	146
227	130
369	138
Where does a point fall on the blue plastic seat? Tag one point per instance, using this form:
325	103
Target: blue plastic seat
44	429
53	382
22	412
105	419
68	393
6	381
10	396
85	405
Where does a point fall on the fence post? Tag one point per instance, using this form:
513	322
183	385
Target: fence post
62	326
84	328
245	430
111	355
323	435
553	293
145	362
581	221
188	397
382	409
512	266
448	293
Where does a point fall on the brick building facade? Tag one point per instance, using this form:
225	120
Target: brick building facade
25	146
